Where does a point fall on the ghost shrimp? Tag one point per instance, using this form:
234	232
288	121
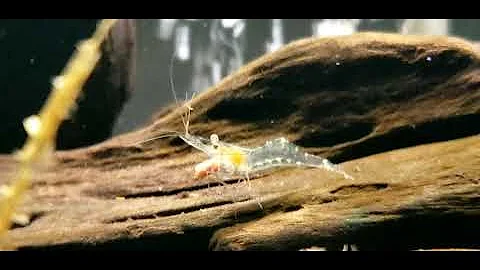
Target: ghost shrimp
229	161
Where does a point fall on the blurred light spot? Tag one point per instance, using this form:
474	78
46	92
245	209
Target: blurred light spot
216	71
229	23
335	27
238	28
182	42
165	28
425	27
277	36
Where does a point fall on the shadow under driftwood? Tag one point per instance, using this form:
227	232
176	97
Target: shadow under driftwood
400	112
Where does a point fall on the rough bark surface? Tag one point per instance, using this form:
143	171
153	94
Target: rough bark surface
399	112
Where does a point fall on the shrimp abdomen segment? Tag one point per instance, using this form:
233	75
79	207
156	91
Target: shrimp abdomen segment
281	153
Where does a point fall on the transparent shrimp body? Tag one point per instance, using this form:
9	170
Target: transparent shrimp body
282	153
228	160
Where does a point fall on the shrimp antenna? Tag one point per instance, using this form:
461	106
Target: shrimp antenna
172	87
184	121
190	109
167	133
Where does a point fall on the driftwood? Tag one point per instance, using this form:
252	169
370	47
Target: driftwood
351	99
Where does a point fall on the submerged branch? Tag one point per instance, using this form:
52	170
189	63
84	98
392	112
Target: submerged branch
42	128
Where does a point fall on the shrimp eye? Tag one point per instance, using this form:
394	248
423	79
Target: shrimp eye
215	146
214	138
